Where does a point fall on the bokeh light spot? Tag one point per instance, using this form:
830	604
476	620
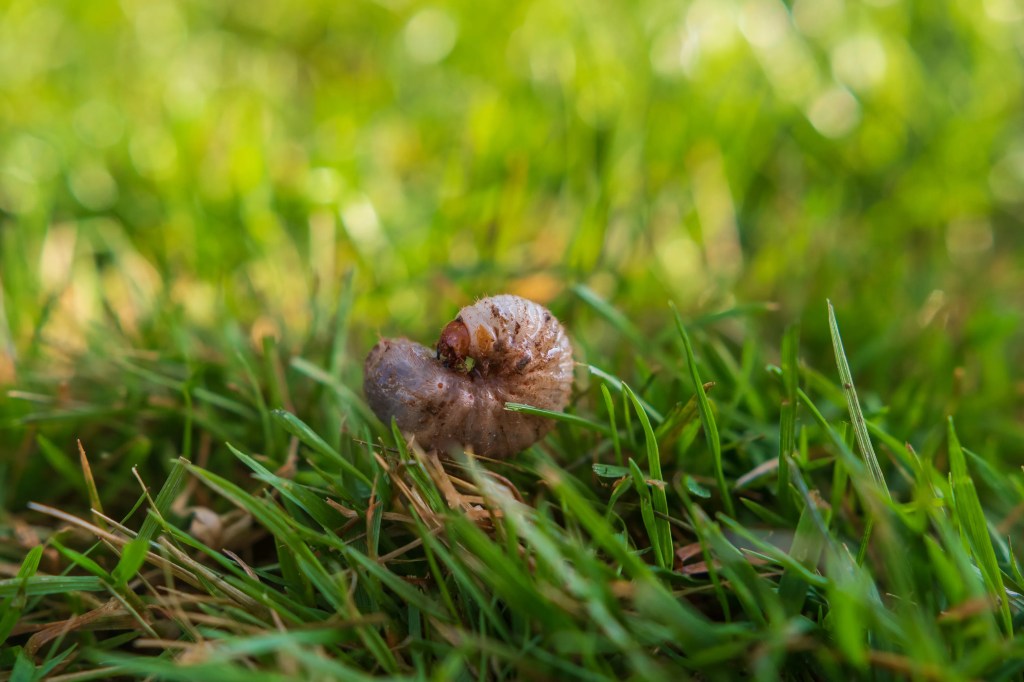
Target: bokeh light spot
430	35
834	112
859	62
764	22
93	186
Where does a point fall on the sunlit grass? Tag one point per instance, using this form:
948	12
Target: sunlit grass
209	213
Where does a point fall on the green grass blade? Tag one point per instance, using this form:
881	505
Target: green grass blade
972	520
651	523
806	550
61	463
41	585
678	420
848	458
287	530
757	601
564	417
134	553
354	405
304	433
707	418
610	313
787	418
609	406
663	531
407	593
597	527
465	587
616	384
311	503
278	523
13	606
342	321
860	429
84	562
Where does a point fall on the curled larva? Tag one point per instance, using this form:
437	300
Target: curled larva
520	354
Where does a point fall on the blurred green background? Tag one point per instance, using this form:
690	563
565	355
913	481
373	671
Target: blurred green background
171	172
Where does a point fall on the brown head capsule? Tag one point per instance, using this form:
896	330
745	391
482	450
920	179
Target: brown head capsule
520	354
453	344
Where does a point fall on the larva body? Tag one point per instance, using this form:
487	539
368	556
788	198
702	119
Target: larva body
520	354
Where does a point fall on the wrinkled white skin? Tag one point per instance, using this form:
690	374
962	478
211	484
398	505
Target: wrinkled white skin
521	354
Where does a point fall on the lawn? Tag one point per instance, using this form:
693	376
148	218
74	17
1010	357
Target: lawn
785	239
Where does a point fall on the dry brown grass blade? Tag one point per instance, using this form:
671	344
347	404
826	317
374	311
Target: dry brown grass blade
763	469
291	461
99	532
411	495
109	616
700	567
94	674
391	556
244	566
457	492
353	514
432	464
967	609
90	482
197	569
473	506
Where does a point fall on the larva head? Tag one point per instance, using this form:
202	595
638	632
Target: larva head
453	344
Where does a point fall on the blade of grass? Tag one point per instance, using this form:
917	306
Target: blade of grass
342	315
787	419
134	553
277	388
611	314
465	586
13	606
707	418
288	531
565	417
846	456
310	502
759	603
662	537
972	520
616	383
647	513
355	406
300	430
90	483
81	560
41	585
609	406
596	526
806	550
257	396
514	585
61	463
569	569
678	419
860	429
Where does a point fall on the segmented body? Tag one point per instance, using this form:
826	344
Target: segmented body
520	354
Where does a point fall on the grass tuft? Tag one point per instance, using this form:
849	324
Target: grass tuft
210	212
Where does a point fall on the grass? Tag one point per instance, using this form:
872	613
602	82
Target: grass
368	558
208	215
